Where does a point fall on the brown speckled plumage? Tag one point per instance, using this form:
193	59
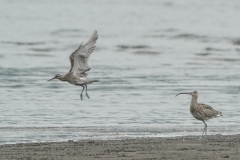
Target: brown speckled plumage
202	112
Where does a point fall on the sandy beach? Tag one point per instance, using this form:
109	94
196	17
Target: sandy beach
178	148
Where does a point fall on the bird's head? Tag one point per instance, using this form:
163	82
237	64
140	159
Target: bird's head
193	93
58	76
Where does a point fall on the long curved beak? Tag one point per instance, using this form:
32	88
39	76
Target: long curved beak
190	93
51	79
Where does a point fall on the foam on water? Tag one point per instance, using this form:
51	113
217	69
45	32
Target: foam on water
61	134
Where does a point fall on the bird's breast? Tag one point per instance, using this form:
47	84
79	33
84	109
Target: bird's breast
195	113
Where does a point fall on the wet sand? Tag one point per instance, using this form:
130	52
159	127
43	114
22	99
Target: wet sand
178	148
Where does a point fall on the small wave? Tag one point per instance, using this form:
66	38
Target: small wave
132	47
66	32
190	36
146	52
23	43
236	41
216	49
41	49
39	55
202	54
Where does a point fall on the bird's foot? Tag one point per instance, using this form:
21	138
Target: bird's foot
81	97
203	138
87	96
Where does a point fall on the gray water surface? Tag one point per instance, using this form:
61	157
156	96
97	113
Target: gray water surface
147	52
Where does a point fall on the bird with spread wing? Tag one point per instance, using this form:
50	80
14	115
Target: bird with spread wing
79	65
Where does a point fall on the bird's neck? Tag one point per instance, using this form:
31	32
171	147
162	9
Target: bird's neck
193	102
63	78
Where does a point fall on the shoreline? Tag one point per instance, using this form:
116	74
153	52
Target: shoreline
184	147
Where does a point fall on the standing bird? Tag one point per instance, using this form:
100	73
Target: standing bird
79	65
201	111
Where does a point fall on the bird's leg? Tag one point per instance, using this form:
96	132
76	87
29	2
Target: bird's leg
82	92
204	130
86	92
202	134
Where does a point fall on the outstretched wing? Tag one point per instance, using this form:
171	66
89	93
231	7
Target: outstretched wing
79	58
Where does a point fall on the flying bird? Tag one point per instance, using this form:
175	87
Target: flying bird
79	65
202	112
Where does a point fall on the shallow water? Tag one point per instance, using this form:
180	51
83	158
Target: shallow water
147	52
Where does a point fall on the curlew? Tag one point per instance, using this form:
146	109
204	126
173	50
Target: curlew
201	111
79	65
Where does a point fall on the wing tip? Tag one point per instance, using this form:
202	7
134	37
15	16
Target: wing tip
95	34
95	31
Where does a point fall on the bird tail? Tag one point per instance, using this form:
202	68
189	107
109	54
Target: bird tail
91	81
219	114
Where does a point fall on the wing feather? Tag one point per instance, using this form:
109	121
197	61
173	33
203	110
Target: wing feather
79	58
208	111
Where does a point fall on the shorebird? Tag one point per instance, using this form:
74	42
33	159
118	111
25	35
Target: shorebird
79	65
201	111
